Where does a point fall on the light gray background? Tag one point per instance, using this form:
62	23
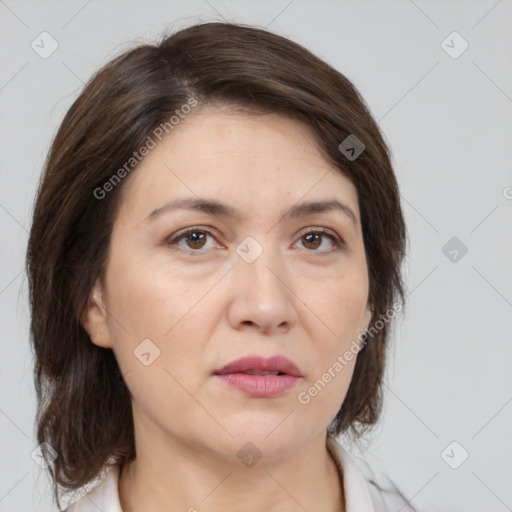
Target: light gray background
449	124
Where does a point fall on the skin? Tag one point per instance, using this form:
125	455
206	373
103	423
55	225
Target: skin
302	298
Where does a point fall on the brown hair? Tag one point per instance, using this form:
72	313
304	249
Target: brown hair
84	409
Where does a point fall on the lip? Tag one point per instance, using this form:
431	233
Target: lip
263	386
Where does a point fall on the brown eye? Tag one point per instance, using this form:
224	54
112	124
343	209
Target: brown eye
313	239
195	240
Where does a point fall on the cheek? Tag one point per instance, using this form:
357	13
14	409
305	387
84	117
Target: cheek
175	313
151	300
337	307
162	356
323	396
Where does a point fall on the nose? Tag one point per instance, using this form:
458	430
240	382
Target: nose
262	298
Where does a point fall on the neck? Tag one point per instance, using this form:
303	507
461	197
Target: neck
188	479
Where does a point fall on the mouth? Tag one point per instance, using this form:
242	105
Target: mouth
260	377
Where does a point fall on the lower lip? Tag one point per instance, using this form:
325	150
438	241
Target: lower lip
263	386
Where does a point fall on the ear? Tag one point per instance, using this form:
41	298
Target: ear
366	319
94	317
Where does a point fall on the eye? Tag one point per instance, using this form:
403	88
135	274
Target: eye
194	238
313	239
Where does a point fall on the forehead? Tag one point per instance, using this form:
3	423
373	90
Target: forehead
256	162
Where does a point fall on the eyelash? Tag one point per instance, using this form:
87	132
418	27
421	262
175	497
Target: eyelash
337	242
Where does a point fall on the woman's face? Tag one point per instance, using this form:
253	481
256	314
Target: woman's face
253	278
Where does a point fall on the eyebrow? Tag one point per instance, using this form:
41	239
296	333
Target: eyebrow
214	207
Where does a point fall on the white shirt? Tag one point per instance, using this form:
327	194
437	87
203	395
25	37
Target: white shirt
105	497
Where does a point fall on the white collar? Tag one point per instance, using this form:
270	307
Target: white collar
355	487
357	494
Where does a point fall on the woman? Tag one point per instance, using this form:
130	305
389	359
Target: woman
213	264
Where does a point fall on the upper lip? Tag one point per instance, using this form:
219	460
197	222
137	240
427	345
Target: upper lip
257	363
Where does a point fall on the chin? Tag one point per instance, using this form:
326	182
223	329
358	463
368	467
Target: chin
269	433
